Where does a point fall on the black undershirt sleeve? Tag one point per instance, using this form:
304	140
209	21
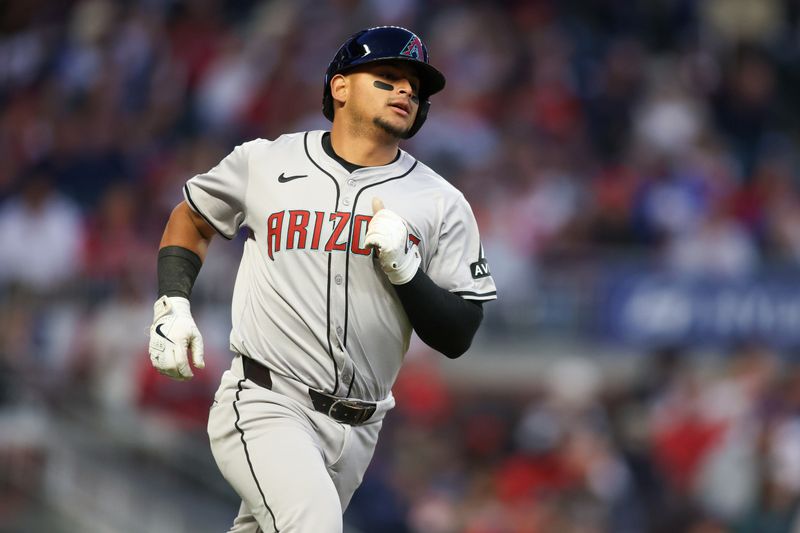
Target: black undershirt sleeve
444	321
177	271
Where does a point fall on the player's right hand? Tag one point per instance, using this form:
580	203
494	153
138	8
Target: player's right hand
172	335
388	232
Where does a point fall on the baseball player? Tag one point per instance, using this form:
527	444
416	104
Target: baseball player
351	244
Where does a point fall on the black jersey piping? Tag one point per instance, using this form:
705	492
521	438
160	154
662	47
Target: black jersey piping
347	260
247	455
197	210
476	294
328	298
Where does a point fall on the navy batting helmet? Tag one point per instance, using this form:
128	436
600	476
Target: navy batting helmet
385	43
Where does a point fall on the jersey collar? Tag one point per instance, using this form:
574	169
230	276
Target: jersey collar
316	152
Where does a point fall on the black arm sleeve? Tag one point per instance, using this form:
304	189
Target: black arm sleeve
177	271
444	321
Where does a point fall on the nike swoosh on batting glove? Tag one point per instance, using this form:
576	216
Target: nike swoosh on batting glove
387	231
172	335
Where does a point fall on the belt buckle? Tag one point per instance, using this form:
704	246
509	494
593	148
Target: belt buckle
335	404
361	409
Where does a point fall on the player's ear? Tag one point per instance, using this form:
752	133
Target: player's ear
339	87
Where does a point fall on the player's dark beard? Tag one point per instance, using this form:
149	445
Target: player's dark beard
398	133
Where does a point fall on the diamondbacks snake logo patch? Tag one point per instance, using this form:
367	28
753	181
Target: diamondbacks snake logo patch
413	48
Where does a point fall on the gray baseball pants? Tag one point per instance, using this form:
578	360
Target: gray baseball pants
294	468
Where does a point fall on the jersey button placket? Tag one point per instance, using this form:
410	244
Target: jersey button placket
338	310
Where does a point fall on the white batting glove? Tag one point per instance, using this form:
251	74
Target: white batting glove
388	232
174	332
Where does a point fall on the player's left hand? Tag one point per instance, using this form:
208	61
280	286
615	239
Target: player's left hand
388	232
172	335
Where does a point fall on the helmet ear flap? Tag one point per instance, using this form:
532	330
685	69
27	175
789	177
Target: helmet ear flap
422	114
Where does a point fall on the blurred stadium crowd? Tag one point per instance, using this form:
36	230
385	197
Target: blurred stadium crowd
665	131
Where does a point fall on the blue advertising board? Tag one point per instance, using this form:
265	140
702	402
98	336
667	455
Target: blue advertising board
657	309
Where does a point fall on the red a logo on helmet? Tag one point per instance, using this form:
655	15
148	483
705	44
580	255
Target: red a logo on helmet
413	48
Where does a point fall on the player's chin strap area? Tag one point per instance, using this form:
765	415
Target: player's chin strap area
345	410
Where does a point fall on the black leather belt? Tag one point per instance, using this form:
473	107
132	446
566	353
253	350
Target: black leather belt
258	374
344	410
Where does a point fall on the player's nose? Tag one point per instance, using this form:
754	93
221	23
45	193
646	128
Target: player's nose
403	86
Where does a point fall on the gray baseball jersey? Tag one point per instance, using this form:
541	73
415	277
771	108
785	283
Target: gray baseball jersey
310	302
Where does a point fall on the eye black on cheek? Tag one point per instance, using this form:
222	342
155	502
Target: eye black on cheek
381	85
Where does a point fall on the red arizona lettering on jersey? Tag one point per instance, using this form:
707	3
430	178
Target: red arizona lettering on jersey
297	229
319	217
355	243
337	230
298	220
274	226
